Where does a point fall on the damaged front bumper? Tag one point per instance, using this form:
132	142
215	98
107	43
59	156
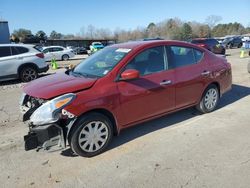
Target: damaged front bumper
44	137
45	133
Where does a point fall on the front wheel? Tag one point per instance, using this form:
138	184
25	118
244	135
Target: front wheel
209	100
91	135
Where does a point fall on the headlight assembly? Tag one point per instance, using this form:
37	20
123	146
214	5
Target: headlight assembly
49	111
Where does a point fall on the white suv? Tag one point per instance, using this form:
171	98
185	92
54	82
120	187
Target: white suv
21	61
57	52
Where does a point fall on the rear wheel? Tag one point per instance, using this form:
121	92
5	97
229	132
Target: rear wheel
65	57
240	45
209	99
28	73
91	135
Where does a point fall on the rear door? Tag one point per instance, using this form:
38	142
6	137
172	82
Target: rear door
153	93
191	73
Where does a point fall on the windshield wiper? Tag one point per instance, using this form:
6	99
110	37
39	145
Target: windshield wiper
81	74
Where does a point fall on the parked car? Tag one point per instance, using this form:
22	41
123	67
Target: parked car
118	87
20	61
231	42
95	46
81	50
211	44
58	53
245	39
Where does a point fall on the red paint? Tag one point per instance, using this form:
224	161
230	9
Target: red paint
137	100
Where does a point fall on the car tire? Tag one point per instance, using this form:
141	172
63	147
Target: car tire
28	73
65	57
240	45
223	52
91	135
209	100
230	45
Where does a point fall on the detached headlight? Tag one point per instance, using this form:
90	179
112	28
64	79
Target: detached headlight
49	111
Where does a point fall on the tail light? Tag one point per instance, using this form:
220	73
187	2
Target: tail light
202	45
40	55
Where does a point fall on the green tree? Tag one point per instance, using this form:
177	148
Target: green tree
42	35
186	32
55	35
21	33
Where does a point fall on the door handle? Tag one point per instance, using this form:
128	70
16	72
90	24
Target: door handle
19	58
166	82
205	73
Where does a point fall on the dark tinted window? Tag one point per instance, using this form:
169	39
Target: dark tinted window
212	42
5	51
18	50
148	61
57	49
181	56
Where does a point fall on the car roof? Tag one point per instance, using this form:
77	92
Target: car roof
21	45
142	44
52	47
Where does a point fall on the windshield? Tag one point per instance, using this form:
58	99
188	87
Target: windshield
101	63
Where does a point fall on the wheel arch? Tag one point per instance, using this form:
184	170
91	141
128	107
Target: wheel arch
102	111
217	84
29	64
65	55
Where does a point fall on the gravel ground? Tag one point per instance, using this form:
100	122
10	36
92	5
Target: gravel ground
183	149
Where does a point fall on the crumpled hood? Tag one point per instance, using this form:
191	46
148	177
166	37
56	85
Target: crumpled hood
57	84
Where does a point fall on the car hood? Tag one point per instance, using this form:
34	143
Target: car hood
57	84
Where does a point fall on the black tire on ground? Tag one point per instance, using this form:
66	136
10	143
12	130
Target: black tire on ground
240	45
91	135
209	100
230	45
28	73
223	52
65	57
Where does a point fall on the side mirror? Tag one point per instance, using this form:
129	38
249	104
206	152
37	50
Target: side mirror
130	74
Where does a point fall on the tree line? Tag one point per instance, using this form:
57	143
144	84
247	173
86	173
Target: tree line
174	29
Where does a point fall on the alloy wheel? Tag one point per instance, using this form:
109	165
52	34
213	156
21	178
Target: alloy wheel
29	74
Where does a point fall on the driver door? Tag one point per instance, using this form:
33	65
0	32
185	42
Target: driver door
153	93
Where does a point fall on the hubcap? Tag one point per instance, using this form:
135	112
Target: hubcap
211	98
29	74
93	136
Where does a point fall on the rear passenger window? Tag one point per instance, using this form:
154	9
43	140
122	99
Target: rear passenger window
198	55
22	50
57	49
5	51
18	50
182	56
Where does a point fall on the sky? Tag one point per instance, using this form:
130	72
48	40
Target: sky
69	16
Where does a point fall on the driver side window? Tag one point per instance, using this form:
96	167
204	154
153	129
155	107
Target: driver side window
149	61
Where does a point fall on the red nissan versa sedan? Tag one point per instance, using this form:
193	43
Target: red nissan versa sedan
118	87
